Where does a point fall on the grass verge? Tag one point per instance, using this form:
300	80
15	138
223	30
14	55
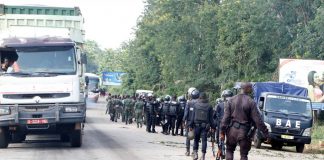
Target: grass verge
317	138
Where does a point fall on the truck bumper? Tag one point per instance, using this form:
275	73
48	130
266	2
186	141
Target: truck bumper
54	114
296	140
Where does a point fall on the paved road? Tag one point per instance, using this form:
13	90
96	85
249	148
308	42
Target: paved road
105	140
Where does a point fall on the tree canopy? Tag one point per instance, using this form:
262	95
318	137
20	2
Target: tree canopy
210	44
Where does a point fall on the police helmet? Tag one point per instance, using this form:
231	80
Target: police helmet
195	94
191	135
219	100
182	98
190	90
227	93
158	99
162	99
167	98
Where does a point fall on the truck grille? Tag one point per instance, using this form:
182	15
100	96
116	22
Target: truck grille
31	96
287	131
35	108
37	126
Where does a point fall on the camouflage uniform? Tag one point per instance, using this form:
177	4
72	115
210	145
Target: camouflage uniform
128	109
139	112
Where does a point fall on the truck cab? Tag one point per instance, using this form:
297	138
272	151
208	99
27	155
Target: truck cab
43	93
42	82
287	113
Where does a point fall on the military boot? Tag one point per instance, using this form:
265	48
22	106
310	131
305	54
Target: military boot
173	133
187	152
203	156
195	155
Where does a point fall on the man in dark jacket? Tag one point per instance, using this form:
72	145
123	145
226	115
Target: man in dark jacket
201	121
240	112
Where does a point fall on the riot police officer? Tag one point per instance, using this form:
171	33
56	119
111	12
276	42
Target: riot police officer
152	107
193	95
165	114
182	106
174	110
219	110
240	112
201	122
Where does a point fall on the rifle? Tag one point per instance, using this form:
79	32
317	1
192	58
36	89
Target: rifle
213	143
221	150
251	132
107	109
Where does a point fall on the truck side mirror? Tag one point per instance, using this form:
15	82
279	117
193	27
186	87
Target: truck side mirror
260	105
84	59
86	78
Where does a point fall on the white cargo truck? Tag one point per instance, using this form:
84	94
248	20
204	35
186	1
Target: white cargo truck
42	84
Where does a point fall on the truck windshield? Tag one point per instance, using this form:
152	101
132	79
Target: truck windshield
58	59
288	105
93	83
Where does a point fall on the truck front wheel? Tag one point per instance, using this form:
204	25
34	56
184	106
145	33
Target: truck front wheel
76	138
17	137
300	148
276	145
256	141
4	137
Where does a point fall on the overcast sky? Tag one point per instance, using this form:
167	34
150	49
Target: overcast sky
109	22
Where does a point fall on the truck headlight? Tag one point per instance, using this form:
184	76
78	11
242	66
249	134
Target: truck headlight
268	126
71	109
307	132
4	110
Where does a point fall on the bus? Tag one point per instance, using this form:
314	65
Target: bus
93	87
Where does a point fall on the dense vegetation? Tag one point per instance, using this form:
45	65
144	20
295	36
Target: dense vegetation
211	44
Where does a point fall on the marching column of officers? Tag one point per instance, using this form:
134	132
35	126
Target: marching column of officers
234	117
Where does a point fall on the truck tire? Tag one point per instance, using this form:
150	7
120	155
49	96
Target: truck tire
17	137
257	141
300	148
276	145
76	138
65	138
4	138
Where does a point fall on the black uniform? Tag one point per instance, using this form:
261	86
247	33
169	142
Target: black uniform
240	112
174	110
201	121
164	117
152	108
186	118
147	115
218	116
182	106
